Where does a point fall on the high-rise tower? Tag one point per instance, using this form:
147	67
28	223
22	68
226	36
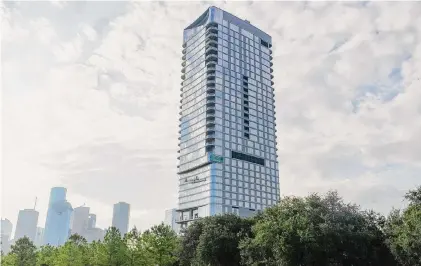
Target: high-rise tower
80	220
27	224
59	214
228	157
121	216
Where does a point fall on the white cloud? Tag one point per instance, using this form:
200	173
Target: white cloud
92	100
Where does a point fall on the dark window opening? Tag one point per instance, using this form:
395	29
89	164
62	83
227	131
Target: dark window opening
264	43
246	135
248	158
210	148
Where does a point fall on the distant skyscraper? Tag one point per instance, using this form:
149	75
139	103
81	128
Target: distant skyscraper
94	234
170	220
227	157
6	233
121	216
6	229
27	224
57	225
80	220
92	221
39	237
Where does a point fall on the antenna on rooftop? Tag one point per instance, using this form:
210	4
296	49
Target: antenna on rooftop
35	205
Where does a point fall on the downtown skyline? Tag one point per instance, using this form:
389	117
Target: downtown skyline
345	88
62	221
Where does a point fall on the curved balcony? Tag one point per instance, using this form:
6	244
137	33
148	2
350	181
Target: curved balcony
183	57
210	83
210	148
211	41
183	64
184	45
210	118
211	77
210	123
210	136
211	58
212	25
212	36
211	65
211	50
273	83
183	76
212	30
210	128
210	109
210	99
210	142
211	70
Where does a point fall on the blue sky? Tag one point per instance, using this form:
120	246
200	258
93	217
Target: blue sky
91	94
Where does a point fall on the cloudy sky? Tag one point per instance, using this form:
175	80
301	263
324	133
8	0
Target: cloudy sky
90	94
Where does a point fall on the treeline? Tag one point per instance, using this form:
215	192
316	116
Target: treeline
313	230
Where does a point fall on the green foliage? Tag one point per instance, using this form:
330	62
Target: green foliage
73	253
46	255
316	231
8	260
160	245
113	252
24	251
403	230
214	241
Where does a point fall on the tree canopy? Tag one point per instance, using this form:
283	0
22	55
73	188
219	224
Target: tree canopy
313	230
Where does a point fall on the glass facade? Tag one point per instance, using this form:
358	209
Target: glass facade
121	216
227	156
59	214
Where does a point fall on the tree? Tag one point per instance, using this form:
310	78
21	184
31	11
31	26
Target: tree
46	256
8	260
403	230
73	253
189	242
160	244
316	231
113	250
214	241
95	253
135	253
25	252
